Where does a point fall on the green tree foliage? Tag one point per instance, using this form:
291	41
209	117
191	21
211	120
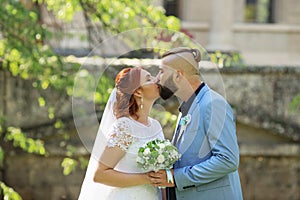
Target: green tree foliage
115	16
23	50
9	193
227	59
27	144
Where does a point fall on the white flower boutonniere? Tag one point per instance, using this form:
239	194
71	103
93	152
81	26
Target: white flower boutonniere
184	121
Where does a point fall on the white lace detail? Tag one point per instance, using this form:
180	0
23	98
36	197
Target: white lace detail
120	136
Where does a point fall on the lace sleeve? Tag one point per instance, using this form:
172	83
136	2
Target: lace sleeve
120	136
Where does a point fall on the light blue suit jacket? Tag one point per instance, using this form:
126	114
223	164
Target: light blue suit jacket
208	167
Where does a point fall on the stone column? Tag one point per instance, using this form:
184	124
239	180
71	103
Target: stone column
221	35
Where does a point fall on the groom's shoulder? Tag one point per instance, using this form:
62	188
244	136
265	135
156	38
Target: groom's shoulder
210	98
211	95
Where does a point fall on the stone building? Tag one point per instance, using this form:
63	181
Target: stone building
265	32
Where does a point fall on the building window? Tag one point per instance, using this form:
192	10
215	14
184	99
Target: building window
259	11
171	7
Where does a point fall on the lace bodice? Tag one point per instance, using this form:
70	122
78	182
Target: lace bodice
120	135
130	135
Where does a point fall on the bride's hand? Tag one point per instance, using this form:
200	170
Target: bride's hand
159	179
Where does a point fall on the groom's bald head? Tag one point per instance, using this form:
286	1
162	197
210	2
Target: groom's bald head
182	58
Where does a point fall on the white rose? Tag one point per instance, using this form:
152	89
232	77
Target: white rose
174	153
161	146
147	151
160	159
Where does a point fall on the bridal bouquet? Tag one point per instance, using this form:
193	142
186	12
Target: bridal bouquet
157	154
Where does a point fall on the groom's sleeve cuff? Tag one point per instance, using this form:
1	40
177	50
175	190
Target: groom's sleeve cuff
181	179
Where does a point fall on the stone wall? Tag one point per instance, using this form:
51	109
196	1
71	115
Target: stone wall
19	103
35	177
268	135
264	177
261	96
267	171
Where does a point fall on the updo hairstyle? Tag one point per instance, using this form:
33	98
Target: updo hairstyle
127	81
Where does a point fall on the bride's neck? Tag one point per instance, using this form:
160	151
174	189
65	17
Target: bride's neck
144	114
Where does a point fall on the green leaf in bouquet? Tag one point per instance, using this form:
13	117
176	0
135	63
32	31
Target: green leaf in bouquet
149	145
165	154
169	148
154	142
154	154
152	161
141	150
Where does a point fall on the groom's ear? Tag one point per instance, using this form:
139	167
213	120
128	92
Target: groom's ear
179	75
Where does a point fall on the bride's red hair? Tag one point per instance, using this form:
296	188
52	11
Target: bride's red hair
127	81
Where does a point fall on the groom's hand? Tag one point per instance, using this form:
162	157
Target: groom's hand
159	179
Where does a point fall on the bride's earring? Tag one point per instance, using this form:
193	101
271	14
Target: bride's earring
141	106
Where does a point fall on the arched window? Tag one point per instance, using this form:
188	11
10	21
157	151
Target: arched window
259	11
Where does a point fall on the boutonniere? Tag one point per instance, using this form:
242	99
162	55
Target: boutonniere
184	121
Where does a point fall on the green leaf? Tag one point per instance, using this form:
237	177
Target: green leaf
68	165
51	112
27	144
83	162
58	124
295	104
9	193
154	154
1	156
42	101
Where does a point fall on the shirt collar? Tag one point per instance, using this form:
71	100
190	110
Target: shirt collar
185	106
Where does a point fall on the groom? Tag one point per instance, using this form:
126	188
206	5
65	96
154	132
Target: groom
205	134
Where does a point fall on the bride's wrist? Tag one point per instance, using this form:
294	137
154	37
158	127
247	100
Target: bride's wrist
146	178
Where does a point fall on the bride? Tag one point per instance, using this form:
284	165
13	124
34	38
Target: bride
125	126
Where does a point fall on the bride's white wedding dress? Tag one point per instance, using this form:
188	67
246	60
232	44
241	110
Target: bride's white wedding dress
129	135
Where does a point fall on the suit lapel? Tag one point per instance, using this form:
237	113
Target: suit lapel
176	133
181	131
184	128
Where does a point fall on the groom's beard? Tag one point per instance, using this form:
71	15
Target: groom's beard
168	89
